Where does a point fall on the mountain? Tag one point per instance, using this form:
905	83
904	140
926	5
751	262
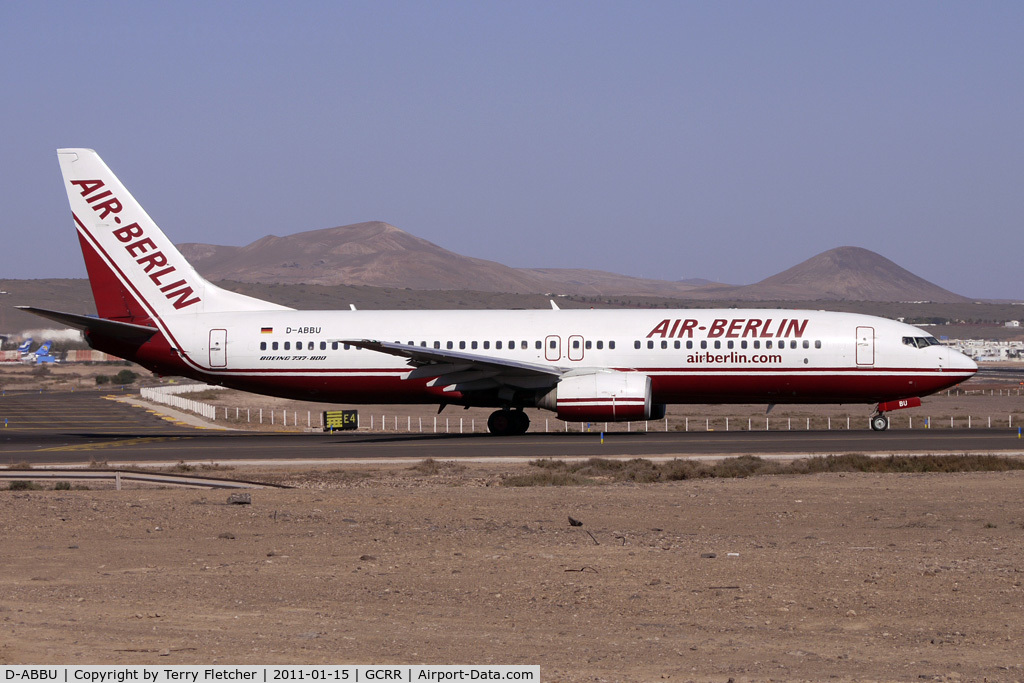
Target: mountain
381	255
841	274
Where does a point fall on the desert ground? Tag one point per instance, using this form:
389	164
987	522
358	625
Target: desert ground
849	577
839	576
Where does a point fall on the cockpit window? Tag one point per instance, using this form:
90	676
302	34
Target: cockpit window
920	342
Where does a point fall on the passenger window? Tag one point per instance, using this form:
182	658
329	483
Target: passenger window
472	345
539	345
792	344
524	345
497	344
718	344
650	344
511	346
600	345
689	343
807	344
347	347
437	345
462	345
323	346
263	346
586	344
768	344
664	344
729	343
334	346
298	346
287	346
575	343
757	344
611	345
487	345
676	343
636	345
703	343
817	343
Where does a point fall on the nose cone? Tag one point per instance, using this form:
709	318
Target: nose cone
958	362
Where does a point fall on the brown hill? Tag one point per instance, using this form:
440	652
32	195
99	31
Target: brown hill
372	253
841	274
381	255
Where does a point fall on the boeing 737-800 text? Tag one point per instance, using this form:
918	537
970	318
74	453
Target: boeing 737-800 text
585	365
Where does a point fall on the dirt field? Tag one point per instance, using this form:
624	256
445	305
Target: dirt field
847	577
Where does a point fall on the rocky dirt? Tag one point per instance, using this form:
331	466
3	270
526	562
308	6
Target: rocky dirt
847	577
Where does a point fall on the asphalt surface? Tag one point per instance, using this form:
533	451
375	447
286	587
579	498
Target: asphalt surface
76	428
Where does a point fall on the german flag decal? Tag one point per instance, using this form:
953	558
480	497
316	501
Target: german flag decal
266	330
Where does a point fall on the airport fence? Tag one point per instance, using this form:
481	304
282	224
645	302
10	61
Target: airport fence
172	396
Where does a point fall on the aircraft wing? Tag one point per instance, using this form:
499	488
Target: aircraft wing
461	371
128	332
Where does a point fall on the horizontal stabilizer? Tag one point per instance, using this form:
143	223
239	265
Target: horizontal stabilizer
88	324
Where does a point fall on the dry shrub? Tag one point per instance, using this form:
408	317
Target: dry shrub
547	478
599	470
430	466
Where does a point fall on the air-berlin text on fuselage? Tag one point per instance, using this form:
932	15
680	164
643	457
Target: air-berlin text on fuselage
138	246
734	328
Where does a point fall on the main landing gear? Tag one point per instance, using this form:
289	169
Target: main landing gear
508	423
879	422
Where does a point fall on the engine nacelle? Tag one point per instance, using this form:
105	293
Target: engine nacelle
603	396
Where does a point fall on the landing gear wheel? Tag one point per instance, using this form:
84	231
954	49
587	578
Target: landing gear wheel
500	423
879	423
508	422
520	422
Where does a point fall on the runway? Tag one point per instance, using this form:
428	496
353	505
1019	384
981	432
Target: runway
78	428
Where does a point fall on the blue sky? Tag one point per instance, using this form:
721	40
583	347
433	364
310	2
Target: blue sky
726	140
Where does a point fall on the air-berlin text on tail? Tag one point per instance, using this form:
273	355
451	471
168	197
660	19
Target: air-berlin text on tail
139	247
731	329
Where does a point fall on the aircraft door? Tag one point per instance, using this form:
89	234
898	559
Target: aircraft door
218	348
553	347
575	347
865	346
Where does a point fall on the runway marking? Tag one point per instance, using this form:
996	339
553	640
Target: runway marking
110	444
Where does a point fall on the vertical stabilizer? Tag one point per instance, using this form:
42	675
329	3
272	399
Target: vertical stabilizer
136	273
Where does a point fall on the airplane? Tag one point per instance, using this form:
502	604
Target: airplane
25	346
42	355
584	365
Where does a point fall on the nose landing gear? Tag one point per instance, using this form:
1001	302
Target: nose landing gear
879	422
508	422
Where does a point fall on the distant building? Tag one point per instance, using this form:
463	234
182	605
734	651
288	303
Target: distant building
1012	323
989	350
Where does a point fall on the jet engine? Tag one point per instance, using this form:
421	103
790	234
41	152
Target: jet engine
609	396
